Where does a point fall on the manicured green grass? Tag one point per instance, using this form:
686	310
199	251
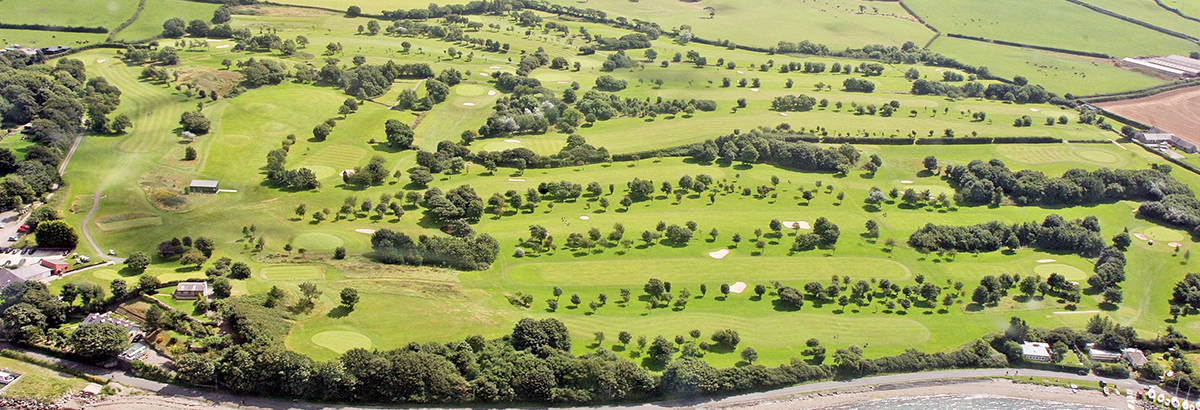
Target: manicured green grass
1059	24
39	383
185	306
439	305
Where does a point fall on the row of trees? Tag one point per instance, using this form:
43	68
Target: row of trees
467	252
1081	236
772	147
989	182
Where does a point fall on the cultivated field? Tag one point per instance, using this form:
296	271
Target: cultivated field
1176	111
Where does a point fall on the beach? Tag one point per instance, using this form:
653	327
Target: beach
993	387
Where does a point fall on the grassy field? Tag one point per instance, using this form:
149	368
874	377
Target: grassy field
836	23
1150	12
1056	71
129	171
1186	7
39	38
39	383
1060	24
149	23
87	13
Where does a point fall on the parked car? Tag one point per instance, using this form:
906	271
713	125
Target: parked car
14	238
23	229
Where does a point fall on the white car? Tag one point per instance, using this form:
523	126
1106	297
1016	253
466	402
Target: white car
13	238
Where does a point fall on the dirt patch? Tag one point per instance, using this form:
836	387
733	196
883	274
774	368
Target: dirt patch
210	79
166	189
362	268
1176	111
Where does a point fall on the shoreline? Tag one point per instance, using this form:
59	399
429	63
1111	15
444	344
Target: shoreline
962	387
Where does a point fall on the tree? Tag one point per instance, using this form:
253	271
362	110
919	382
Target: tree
931	163
661	350
119	289
98	342
193	257
138	260
189	154
749	355
56	234
726	338
174	28
349	298
399	134
624	337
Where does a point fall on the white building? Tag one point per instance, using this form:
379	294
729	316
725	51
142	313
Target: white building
1036	351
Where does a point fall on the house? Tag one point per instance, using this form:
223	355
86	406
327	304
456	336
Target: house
1134	357
133	328
203	186
1102	355
190	290
23	273
1036	351
56	267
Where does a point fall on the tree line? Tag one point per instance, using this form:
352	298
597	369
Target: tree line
1080	236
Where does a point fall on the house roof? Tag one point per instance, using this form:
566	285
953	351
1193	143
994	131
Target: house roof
1135	356
8	278
1035	349
105	318
54	264
191	287
204	183
28	271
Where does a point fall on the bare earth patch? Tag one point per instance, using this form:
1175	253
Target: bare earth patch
210	79
1176	111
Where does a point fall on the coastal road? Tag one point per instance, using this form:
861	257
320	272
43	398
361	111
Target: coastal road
726	401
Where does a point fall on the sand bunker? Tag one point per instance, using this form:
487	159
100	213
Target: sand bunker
739	72
517	141
491	92
495	67
906	182
211	40
719	254
564	82
783	114
485	74
366	231
223	46
469	104
1046	261
100	60
1140	236
737	287
754	89
1174	244
796	225
516	180
585	217
1034	109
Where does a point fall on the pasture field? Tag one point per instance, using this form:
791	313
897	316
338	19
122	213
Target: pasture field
1063	73
132	173
40	38
39	383
1150	12
1188	8
85	13
1059	24
149	23
836	23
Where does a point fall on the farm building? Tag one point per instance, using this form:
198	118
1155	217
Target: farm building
52	50
1174	66
1036	352
203	186
190	290
1155	136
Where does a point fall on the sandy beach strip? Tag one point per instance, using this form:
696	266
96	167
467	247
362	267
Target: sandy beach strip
971	387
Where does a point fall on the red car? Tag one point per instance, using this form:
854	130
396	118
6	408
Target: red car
23	229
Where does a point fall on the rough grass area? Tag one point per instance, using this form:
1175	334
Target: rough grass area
39	383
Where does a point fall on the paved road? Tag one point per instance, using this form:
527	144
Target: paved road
88	234
172	390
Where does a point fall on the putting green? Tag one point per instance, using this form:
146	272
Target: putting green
340	340
469	90
322	171
292	272
1098	157
1163	235
1070	272
261	108
106	274
317	241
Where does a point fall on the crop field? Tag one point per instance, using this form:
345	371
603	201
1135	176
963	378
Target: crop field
139	177
1173	111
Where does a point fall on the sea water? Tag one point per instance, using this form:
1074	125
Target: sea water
962	402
